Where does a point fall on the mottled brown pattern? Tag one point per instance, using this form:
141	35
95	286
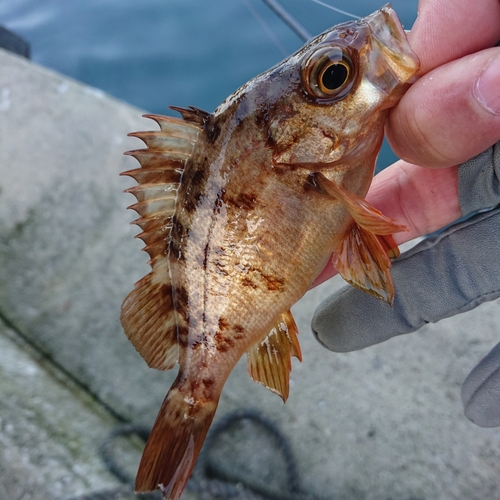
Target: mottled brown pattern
224	343
257	276
182	336
249	236
199	176
274	283
181	302
193	187
190	204
244	201
246	281
238	335
181	294
166	292
177	233
212	129
261	120
175	250
208	381
223	324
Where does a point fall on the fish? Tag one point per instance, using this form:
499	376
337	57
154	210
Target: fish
240	210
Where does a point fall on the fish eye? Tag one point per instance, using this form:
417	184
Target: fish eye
333	76
328	74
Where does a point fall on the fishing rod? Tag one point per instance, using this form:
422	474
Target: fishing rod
283	14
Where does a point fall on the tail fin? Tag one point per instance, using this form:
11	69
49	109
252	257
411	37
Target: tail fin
174	444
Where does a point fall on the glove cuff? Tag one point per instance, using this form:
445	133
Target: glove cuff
479	181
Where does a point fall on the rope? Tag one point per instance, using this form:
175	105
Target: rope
212	479
218	470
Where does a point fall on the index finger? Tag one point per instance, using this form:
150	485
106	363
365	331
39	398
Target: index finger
446	30
422	199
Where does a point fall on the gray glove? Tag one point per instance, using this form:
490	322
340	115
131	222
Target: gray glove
440	277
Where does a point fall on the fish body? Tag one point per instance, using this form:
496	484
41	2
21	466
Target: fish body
240	211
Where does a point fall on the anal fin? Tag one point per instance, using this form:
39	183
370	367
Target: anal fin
269	360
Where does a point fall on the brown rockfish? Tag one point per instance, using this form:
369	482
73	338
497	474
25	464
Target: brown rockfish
241	209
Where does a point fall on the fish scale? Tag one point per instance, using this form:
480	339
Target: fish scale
241	210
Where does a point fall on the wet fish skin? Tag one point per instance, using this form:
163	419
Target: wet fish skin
248	176
265	188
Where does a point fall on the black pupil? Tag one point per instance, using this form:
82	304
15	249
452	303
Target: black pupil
334	76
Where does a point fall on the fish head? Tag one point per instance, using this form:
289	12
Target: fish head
329	101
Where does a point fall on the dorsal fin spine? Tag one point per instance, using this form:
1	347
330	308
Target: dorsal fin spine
148	314
192	115
176	126
164	142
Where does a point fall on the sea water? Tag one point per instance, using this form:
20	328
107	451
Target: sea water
153	53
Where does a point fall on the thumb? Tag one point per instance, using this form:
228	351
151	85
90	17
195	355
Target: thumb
451	114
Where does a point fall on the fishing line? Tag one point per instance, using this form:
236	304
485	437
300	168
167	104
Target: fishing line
266	28
293	24
336	9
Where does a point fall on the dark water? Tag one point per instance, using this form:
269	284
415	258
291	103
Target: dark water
152	53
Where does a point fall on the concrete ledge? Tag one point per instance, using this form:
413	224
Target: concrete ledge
50	430
381	423
69	255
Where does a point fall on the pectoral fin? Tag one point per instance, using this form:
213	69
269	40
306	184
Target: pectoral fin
269	360
363	257
363	263
361	211
389	245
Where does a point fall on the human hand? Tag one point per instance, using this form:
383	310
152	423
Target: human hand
451	114
439	122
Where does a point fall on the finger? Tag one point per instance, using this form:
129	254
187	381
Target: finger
440	277
451	114
446	30
422	199
481	391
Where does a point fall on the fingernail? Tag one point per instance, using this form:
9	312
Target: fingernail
487	88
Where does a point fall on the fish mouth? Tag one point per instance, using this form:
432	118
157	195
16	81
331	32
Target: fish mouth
390	38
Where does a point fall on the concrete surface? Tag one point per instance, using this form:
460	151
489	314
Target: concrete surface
383	423
50	430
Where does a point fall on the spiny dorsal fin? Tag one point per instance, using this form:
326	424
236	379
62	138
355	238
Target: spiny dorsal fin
270	360
148	316
192	114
